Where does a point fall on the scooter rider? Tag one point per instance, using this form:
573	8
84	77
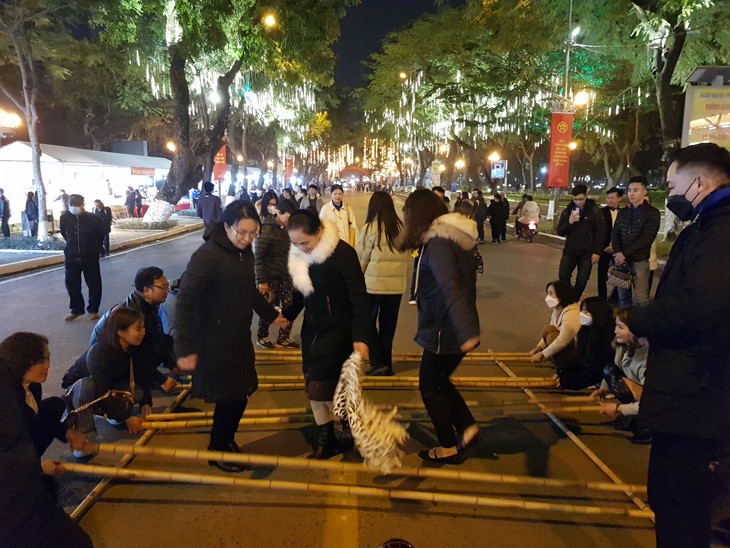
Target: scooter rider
530	213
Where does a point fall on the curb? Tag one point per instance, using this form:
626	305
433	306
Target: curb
56	259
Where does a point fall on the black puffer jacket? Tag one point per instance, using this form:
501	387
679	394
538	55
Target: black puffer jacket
498	211
109	366
446	285
635	231
272	251
330	287
84	234
213	314
688	371
588	235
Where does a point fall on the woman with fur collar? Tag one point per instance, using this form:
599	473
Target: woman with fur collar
448	322
330	288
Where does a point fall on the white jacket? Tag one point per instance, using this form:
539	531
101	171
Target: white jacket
343	219
385	271
568	323
530	212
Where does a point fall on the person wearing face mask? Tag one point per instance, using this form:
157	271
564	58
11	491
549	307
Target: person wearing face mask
267	205
209	206
84	234
593	348
341	215
558	339
633	234
685	398
213	313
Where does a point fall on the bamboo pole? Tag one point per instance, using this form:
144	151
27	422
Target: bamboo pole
268	360
304	416
297	352
298	463
399	378
582	446
403	385
80	511
273	412
352	490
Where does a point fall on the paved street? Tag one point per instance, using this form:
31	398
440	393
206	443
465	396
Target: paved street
512	313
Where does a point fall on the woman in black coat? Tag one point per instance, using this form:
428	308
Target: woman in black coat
31	213
26	357
214	309
330	287
448	322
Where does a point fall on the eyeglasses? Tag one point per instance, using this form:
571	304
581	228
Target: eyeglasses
165	287
245	234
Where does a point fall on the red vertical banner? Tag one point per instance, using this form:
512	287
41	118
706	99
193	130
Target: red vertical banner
288	169
561	133
219	164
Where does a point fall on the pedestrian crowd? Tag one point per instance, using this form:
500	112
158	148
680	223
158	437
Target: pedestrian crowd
658	367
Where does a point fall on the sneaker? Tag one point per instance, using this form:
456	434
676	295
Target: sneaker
71	317
265	343
288	343
94	316
412	301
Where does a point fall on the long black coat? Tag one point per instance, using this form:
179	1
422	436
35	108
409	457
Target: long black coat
336	311
272	252
28	515
688	371
213	314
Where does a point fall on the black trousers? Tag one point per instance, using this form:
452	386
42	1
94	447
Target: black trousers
603	265
43	429
225	423
480	229
499	230
5	227
681	488
92	276
445	405
384	316
105	245
568	263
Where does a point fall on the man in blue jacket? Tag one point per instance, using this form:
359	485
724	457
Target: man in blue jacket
685	397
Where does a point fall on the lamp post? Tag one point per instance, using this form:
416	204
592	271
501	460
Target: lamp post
9	122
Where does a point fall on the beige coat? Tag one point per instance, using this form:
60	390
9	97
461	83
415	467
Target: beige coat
385	271
343	219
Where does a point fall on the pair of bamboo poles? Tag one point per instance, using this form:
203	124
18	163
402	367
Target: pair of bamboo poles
295	463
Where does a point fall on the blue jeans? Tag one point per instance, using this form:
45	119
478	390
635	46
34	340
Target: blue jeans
568	263
639	293
82	392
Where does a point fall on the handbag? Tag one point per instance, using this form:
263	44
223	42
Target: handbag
119	403
620	277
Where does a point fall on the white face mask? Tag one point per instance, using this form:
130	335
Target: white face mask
586	318
74	210
551	302
271	210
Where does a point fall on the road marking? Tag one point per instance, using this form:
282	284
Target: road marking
119	254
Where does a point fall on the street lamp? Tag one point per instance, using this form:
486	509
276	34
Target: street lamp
572	145
459	164
494	157
403	75
581	98
172	147
269	20
9	121
239	158
442	168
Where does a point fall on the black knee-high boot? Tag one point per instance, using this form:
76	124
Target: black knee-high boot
326	447
346	440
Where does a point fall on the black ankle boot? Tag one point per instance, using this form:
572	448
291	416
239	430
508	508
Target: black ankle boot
231	447
346	440
326	447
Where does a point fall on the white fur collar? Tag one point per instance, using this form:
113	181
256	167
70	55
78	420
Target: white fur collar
455	227
299	262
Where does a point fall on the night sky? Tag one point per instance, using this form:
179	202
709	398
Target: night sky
363	30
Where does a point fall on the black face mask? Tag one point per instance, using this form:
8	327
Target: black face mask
681	206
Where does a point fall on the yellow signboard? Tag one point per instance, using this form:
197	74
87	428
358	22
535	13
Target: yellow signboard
707	116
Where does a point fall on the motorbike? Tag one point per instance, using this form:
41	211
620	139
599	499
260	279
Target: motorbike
527	232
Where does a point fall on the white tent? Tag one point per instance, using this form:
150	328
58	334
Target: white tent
91	173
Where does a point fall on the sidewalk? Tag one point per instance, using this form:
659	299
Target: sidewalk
17	261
